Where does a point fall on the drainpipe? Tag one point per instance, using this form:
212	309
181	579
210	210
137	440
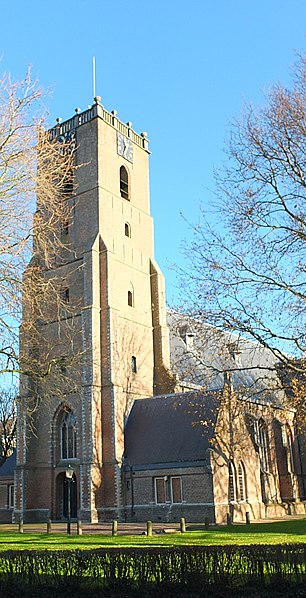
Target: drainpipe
132	492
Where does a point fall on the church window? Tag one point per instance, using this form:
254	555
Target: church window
241	482
65	227
130	296
134	364
65	295
176	489
68	436
160	490
11	496
127	229
263	443
290	456
124	182
168	489
67	186
231	482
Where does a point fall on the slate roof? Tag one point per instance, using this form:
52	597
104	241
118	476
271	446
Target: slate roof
213	351
167	429
9	466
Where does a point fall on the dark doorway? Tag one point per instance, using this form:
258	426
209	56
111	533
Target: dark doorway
73	497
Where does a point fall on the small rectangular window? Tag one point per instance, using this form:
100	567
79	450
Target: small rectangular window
65	227
65	295
134	364
160	490
176	489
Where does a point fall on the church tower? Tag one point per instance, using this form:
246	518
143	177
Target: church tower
119	346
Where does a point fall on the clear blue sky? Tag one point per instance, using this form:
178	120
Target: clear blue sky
178	70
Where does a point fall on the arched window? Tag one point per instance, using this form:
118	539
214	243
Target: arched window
264	452
127	229
68	436
290	456
241	482
231	482
124	182
130	296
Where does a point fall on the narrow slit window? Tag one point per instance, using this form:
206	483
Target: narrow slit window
127	229
65	295
130	299
134	364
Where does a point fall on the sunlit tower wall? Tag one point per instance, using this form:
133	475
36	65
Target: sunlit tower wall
119	344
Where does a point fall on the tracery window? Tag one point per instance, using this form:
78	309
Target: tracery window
68	436
231	482
262	440
242	482
290	456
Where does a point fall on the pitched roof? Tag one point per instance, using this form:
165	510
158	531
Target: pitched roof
9	466
200	354
169	429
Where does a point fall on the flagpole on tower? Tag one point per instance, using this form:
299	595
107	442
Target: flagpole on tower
94	76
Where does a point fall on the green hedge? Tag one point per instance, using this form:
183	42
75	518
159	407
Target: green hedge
180	569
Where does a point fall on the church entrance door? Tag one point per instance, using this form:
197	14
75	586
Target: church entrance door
62	497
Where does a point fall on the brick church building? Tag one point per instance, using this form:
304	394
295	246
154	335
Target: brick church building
140	420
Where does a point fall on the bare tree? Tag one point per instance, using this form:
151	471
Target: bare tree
31	239
248	259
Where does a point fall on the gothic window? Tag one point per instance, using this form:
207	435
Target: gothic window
124	182
264	446
241	482
127	229
134	364
231	482
261	438
68	436
290	457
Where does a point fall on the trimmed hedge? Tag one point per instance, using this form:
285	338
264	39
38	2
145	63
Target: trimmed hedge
193	570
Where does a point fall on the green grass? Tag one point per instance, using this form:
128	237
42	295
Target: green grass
284	532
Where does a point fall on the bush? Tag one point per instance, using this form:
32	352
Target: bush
171	571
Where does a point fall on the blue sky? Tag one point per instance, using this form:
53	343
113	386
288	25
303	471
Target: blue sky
178	70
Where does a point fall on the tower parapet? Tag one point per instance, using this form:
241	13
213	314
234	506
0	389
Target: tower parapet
97	110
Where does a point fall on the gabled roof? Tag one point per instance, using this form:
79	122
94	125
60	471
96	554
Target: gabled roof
167	429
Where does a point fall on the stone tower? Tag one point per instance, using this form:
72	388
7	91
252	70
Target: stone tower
117	328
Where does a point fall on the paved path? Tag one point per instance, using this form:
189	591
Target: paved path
124	529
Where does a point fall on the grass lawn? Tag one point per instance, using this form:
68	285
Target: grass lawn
283	532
